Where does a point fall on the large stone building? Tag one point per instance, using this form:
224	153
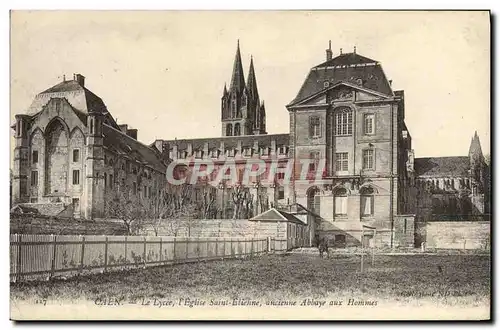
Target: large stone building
70	154
348	149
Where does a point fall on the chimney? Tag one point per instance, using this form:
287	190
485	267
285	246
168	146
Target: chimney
340	51
123	128
79	79
132	133
329	51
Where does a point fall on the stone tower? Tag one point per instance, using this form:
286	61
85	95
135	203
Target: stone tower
241	109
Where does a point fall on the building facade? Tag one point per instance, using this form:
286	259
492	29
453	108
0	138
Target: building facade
70	154
348	155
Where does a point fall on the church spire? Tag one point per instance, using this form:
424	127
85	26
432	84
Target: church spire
237	79
252	81
475	147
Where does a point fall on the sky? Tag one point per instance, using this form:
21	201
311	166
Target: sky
163	72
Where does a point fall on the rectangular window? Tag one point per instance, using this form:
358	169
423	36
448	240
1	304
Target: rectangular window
281	193
105	180
343	122
145	192
340	205
342	162
315	127
34	156
76	155
111	180
314	159
76	176
34	178
369	123
368	159
367	205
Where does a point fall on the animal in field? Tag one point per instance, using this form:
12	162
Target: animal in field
323	247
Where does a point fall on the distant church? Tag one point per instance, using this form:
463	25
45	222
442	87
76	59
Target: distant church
69	150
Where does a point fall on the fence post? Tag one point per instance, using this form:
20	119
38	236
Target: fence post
251	248
161	252
269	244
174	256
19	259
126	258
232	252
53	261
106	254
216	247
144	253
82	254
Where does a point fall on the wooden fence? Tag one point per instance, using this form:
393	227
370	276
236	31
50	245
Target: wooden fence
42	257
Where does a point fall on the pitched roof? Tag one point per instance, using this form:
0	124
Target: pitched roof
274	215
121	143
347	68
80	98
231	141
442	166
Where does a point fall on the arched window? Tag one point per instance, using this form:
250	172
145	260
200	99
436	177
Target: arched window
229	130
341	201
367	201
237	129
343	121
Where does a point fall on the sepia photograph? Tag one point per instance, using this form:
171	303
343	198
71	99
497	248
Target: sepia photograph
250	165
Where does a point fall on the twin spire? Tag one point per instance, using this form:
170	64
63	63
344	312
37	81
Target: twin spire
238	77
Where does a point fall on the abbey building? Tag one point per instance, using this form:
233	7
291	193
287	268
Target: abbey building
346	121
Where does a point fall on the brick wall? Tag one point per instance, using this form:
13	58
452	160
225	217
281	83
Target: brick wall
458	235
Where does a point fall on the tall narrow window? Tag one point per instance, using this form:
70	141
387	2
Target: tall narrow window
134	186
343	122
368	159
314	160
314	127
341	202
111	180
342	162
76	177
91	125
237	129
34	156
369	123
229	130
105	180
76	155
367	200
34	178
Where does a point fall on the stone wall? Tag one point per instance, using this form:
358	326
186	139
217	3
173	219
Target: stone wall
458	235
219	228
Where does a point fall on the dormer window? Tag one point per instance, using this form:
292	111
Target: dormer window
198	154
264	151
282	150
230	152
326	84
248	151
405	134
214	153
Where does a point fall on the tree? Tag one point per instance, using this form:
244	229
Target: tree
121	205
242	200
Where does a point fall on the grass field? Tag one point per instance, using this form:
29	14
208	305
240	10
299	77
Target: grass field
459	280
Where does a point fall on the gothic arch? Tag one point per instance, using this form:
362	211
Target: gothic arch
36	131
237	129
56	154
